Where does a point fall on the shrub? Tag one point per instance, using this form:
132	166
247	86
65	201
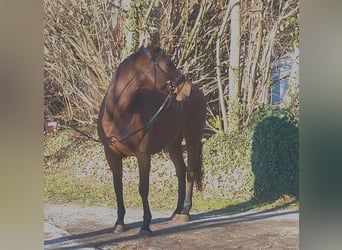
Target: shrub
275	155
261	162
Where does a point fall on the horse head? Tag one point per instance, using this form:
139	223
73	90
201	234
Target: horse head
161	73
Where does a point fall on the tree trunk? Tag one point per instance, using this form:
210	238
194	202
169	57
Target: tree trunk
128	34
218	72
234	69
253	75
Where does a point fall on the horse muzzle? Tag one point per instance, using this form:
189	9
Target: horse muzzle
182	91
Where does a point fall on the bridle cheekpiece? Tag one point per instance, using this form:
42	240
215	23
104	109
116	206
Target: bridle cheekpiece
172	84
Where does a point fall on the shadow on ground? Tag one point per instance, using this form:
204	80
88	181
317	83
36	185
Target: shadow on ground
164	227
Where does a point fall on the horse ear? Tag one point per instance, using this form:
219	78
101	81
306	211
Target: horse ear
155	41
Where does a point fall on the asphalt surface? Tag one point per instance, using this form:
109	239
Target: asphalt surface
69	226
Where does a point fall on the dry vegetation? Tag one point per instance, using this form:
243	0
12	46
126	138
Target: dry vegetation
86	40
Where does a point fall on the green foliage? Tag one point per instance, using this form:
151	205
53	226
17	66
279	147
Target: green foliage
233	116
292	23
275	155
261	114
260	162
227	166
135	17
62	188
291	100
76	171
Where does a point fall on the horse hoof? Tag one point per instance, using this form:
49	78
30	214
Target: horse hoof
145	233
181	218
119	228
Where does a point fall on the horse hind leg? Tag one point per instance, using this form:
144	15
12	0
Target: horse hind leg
176	155
194	174
115	164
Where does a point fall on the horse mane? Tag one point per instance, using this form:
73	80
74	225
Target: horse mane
131	57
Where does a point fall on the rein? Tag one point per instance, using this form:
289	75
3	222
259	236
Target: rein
113	138
82	133
147	125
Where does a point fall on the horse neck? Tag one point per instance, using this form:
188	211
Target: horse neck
130	77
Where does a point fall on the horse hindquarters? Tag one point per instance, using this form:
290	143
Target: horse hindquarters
195	112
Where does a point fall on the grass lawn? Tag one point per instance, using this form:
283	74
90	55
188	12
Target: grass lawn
75	171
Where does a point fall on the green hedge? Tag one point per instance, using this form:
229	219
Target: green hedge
275	156
261	162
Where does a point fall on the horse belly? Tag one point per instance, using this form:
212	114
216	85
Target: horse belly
166	128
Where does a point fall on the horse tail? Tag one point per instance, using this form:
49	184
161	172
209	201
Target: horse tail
199	170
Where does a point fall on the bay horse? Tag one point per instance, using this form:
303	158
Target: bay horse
140	115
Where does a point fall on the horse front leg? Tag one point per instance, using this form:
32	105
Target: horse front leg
144	164
115	164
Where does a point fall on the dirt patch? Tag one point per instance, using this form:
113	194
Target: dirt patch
75	227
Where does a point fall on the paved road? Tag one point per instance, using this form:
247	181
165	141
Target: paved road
75	227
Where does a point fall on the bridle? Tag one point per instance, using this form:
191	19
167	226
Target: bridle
172	84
